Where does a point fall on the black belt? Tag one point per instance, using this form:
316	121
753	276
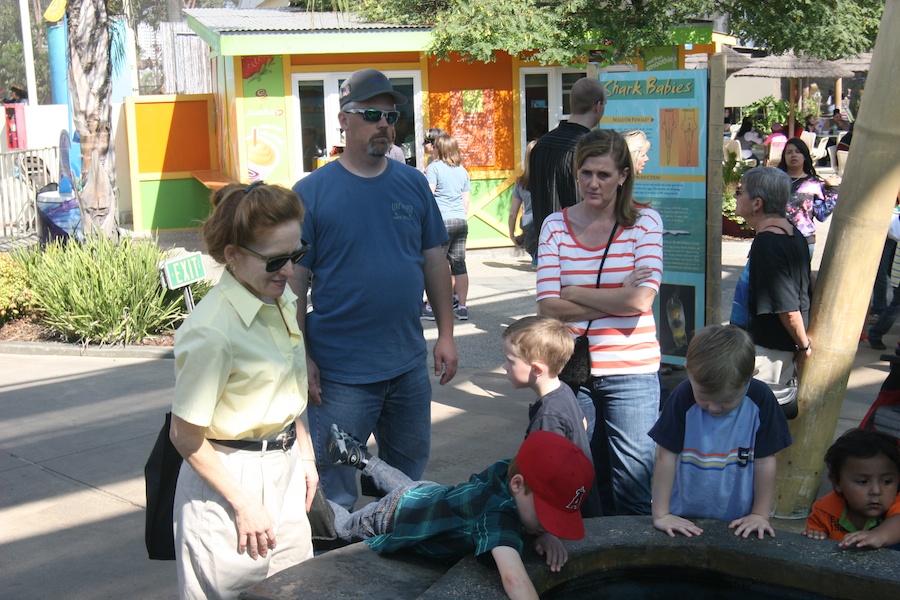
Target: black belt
283	441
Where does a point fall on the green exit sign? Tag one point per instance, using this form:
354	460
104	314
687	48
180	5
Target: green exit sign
182	270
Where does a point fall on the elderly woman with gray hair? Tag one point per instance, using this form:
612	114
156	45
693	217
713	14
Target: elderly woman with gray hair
772	296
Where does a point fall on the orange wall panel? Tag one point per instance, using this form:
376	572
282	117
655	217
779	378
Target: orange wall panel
445	77
174	136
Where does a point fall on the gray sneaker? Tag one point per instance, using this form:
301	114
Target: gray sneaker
345	449
462	313
427	313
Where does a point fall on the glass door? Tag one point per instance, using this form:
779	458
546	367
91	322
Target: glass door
316	104
311	96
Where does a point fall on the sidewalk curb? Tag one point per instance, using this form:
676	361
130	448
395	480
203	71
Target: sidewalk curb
61	349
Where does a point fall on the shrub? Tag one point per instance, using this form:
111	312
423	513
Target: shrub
102	292
13	289
732	171
767	111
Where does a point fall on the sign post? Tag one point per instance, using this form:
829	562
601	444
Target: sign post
181	272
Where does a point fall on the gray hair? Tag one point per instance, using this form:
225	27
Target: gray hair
771	185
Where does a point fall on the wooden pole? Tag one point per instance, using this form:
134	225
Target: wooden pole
841	297
717	64
836	96
793	105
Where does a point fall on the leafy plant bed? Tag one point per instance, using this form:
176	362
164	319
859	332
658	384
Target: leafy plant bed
30	329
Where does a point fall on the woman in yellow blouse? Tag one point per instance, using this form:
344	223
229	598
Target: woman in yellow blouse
240	364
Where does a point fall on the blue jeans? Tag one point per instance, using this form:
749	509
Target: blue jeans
627	407
586	402
883	277
397	411
886	318
375	518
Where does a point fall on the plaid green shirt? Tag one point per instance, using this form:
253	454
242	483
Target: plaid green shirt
448	523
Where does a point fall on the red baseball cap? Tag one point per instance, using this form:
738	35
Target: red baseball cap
560	477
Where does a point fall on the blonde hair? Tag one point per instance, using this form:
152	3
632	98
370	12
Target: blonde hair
720	358
523	179
241	213
543	339
448	150
637	143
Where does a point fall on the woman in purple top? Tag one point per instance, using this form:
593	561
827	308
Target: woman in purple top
810	199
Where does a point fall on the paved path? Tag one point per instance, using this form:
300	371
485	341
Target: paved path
77	430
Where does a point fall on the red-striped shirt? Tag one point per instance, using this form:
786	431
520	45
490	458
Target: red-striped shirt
620	344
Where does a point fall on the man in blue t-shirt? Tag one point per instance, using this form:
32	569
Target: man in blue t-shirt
375	236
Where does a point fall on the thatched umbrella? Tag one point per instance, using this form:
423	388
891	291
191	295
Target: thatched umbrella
794	67
734	60
858	64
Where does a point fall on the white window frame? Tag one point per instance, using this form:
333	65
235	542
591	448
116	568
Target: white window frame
554	98
332	106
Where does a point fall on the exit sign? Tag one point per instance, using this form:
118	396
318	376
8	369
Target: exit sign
182	270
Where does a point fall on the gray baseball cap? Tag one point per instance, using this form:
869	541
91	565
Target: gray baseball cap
368	83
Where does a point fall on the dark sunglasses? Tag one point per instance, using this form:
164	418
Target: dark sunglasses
274	263
373	115
428	141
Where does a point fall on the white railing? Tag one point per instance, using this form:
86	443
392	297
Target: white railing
22	174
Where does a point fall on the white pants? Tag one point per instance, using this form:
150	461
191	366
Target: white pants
774	366
207	560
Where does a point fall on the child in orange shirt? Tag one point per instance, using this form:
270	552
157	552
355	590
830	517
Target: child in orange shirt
864	508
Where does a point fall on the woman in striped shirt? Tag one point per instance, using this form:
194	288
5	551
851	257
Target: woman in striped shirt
623	391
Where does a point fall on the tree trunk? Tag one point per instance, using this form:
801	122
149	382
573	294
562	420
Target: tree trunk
90	82
173	11
855	243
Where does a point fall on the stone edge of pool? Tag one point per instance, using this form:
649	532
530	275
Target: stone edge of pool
788	560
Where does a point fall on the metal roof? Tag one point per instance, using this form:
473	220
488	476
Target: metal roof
287	20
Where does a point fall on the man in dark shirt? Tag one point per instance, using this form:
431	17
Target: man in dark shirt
552	182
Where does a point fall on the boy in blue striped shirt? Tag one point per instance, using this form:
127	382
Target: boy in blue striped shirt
716	437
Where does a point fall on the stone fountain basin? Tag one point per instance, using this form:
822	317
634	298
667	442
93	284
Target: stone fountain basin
611	544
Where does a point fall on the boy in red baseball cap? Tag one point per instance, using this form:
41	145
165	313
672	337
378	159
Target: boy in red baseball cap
538	492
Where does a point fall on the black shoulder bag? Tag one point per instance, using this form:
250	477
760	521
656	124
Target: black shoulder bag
578	370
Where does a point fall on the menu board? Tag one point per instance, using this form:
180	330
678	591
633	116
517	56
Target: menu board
472	124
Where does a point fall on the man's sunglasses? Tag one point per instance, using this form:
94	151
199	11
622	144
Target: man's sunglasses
373	115
274	263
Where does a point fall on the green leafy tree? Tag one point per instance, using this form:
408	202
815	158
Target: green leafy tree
825	28
563	31
12	55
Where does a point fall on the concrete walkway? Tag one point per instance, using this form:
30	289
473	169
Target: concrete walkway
77	431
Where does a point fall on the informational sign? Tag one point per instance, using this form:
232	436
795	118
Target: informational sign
182	270
670	107
472	122
265	121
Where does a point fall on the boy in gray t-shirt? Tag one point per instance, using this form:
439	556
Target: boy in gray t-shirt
537	348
